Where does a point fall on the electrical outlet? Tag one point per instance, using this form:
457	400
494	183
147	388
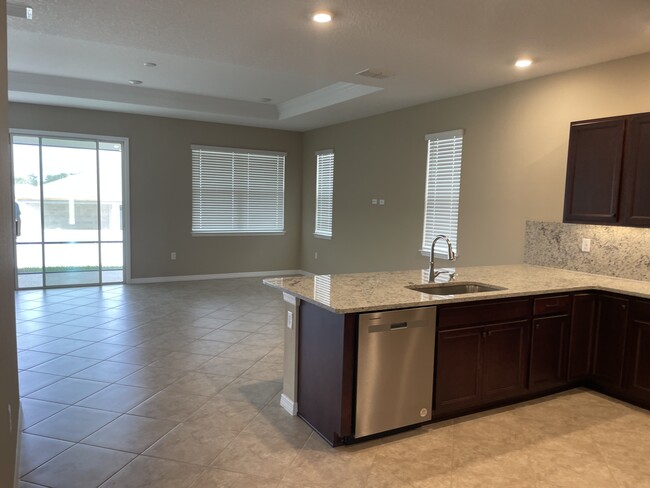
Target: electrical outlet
382	201
316	255
173	255
586	245
289	319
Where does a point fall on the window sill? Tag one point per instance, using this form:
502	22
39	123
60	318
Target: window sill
236	234
321	236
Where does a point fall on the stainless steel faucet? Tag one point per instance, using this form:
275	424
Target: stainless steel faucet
451	256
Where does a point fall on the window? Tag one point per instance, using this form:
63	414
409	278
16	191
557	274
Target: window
442	190
237	191
324	192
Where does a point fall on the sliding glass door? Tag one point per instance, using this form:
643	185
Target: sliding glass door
69	209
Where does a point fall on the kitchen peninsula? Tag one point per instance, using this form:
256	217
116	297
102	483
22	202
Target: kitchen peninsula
543	330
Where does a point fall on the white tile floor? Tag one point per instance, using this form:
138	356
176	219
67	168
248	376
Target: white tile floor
177	385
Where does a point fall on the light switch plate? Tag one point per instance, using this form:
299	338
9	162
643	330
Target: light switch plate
586	245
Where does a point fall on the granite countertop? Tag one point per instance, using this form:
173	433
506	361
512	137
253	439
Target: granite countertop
363	292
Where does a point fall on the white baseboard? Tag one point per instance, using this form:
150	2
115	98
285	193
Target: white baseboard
221	276
19	429
288	404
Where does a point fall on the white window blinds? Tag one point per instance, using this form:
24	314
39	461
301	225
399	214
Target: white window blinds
324	192
237	191
442	190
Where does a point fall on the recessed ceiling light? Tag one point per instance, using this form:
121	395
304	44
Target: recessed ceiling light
149	65
135	82
322	17
523	63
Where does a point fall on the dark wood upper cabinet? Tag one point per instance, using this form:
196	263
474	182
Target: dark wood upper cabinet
635	196
594	165
608	171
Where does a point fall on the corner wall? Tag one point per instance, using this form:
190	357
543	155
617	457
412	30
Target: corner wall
514	164
161	189
9	405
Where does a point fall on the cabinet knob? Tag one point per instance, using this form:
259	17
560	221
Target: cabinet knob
484	334
624	307
537	326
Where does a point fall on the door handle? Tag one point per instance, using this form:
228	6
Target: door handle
398	325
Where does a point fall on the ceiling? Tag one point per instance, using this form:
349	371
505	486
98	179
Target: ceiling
221	60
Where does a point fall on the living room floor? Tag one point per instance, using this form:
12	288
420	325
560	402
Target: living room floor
178	384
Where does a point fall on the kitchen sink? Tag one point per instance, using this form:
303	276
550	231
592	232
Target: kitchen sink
453	288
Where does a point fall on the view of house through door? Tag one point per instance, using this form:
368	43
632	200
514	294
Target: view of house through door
69	209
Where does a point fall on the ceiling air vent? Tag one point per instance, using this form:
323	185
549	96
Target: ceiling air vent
375	73
20	11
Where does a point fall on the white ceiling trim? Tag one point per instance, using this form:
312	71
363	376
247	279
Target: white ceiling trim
71	88
324	97
25	86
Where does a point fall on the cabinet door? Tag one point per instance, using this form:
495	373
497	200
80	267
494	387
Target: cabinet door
637	360
635	205
594	171
505	359
548	352
458	368
610	340
581	341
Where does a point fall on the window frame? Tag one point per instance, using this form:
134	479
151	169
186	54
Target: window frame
455	166
278	183
328	186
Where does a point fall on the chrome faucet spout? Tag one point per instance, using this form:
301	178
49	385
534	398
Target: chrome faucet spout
451	256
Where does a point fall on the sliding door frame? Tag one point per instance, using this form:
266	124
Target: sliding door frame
126	204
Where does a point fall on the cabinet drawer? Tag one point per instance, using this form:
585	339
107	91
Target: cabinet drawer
453	316
641	311
551	305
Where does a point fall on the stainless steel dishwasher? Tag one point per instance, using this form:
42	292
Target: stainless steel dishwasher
394	369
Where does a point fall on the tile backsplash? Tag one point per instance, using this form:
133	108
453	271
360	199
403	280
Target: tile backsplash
623	252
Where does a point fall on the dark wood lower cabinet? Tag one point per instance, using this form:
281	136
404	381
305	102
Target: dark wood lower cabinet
637	375
611	331
505	359
326	352
458	377
488	353
581	340
548	352
482	364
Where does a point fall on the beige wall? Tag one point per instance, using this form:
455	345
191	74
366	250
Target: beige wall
514	164
8	367
160	180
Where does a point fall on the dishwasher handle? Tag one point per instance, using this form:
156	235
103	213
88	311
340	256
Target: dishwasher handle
395	326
